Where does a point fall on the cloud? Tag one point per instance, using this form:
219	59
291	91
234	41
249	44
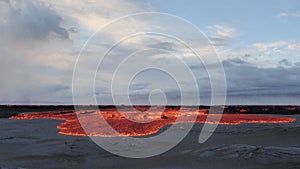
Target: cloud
285	63
139	86
220	35
266	54
290	14
163	45
40	41
249	80
30	19
260	73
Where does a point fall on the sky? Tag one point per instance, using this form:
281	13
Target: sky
256	44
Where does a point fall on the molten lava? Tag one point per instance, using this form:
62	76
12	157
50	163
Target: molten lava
125	127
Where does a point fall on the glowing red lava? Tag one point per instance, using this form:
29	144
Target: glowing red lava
125	127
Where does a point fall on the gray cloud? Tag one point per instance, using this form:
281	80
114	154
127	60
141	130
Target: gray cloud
220	41
59	88
173	97
139	86
285	63
245	79
31	19
249	84
164	45
34	62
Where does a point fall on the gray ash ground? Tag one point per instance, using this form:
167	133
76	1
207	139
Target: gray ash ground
36	144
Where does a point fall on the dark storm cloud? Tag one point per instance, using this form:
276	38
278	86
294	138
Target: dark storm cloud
247	79
250	84
29	19
30	62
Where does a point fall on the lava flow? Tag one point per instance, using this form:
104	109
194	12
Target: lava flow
126	127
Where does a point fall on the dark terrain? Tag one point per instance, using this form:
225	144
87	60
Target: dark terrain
13	110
